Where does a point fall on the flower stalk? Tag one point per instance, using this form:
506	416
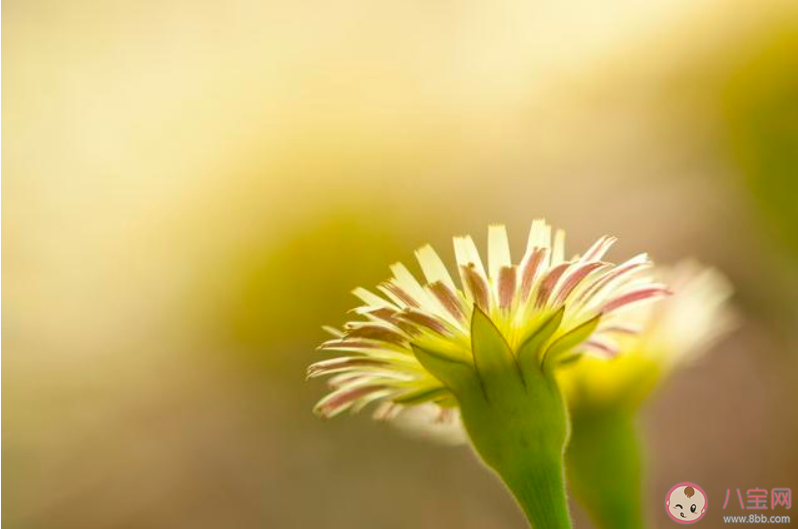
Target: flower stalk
513	411
604	460
605	468
525	447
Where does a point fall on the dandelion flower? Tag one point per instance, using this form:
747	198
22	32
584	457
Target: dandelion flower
484	349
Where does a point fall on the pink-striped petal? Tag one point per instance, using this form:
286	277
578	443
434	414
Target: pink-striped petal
448	300
398	295
574	278
618	273
548	282
630	330
506	286
476	286
531	270
599	248
340	400
602	347
374	331
334	365
423	319
635	296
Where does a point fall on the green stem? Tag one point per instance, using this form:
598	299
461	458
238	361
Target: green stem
522	439
514	414
604	467
538	486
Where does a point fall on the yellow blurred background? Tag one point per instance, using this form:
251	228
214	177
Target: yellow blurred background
190	190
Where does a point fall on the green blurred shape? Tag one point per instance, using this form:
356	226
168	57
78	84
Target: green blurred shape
761	108
604	459
604	467
284	290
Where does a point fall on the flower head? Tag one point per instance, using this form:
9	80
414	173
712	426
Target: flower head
666	336
683	327
410	337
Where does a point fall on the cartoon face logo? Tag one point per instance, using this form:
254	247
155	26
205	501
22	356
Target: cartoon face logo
686	503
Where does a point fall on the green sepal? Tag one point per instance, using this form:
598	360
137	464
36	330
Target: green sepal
493	359
529	353
569	340
456	374
422	395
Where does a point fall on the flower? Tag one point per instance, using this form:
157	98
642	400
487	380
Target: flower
397	351
604	455
683	327
667	336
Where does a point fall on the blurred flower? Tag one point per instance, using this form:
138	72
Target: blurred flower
576	301
683	327
662	337
603	457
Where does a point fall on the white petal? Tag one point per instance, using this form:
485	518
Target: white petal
466	253
407	282
433	267
558	248
539	236
372	299
498	250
